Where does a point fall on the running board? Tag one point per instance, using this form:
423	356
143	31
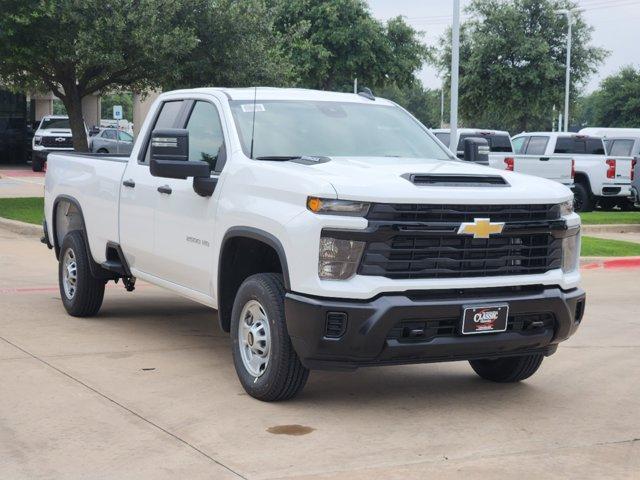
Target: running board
114	266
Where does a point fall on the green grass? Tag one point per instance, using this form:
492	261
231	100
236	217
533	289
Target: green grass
599	247
607	218
30	210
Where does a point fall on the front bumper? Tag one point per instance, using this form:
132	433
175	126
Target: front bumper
366	338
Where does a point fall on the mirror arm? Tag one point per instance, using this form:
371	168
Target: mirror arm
205	186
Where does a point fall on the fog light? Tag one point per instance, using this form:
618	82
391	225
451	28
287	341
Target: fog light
338	259
570	252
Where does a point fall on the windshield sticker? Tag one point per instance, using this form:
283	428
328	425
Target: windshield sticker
249	107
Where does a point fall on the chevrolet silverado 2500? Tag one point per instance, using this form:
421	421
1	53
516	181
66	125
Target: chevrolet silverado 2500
329	230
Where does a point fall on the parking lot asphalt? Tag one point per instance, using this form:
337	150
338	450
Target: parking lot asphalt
147	389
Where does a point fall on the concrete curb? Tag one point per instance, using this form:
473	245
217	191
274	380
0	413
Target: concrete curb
21	228
618	228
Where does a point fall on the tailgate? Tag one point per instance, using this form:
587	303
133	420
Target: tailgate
623	169
552	167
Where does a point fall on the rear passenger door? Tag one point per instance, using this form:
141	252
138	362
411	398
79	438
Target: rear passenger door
185	221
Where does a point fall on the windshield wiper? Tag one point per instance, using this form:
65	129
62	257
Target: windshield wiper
279	158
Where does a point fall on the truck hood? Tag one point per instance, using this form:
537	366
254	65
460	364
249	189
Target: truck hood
379	179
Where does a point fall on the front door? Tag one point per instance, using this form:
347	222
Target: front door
139	198
184	221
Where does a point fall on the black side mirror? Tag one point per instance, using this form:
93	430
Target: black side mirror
170	155
476	150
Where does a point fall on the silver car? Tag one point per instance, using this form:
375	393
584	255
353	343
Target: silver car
112	140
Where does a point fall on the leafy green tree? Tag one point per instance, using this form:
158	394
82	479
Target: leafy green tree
118	98
237	47
331	42
76	48
422	103
617	102
512	62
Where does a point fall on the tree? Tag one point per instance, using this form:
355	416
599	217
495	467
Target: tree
76	48
512	62
422	103
617	102
331	42
237	47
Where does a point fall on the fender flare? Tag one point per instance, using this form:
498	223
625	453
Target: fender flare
262	236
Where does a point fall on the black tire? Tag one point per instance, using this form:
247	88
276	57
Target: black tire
284	376
37	164
583	200
507	370
102	150
86	298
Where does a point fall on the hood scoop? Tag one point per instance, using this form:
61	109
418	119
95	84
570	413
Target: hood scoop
453	180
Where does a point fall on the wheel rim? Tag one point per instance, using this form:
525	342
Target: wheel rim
254	338
69	274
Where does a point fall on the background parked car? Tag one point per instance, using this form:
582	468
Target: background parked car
111	140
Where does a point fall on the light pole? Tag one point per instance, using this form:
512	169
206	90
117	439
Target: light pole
567	84
455	61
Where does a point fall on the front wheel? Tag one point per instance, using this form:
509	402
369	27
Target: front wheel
266	363
583	200
81	292
507	370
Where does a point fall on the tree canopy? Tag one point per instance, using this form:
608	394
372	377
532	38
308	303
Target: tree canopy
331	42
512	62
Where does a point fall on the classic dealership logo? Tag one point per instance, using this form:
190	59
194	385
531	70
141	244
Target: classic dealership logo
481	228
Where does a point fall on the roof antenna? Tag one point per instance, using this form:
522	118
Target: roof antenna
253	124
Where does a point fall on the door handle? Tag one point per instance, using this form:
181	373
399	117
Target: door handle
544	159
165	189
129	183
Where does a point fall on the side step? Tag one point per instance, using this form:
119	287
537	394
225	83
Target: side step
114	266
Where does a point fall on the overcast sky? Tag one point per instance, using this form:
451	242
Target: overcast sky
616	23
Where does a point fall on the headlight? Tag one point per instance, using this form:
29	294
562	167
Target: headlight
338	259
37	139
566	208
337	207
570	252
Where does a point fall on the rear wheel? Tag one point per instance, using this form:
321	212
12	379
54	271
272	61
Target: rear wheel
507	370
81	292
266	363
103	150
583	200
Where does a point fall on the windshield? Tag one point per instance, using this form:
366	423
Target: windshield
310	128
51	123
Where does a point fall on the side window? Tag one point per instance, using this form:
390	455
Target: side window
518	144
205	134
124	137
167	118
537	146
443	137
110	134
621	148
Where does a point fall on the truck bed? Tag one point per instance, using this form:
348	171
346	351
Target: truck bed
92	181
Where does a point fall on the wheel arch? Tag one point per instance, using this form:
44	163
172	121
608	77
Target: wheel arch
263	253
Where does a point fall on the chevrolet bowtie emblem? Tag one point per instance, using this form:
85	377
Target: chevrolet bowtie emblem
480	228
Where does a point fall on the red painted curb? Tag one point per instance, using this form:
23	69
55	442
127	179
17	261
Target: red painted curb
615	263
20	173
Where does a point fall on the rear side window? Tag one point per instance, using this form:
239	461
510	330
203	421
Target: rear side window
621	148
578	145
110	134
443	137
537	145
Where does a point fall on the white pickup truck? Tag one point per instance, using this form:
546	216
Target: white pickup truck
53	135
599	178
329	230
505	156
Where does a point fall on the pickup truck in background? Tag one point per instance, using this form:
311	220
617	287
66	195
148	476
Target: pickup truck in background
53	135
505	156
329	230
599	178
627	146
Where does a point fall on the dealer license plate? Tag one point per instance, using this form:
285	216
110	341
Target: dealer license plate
485	319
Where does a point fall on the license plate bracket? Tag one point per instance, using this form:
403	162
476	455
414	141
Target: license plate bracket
479	319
